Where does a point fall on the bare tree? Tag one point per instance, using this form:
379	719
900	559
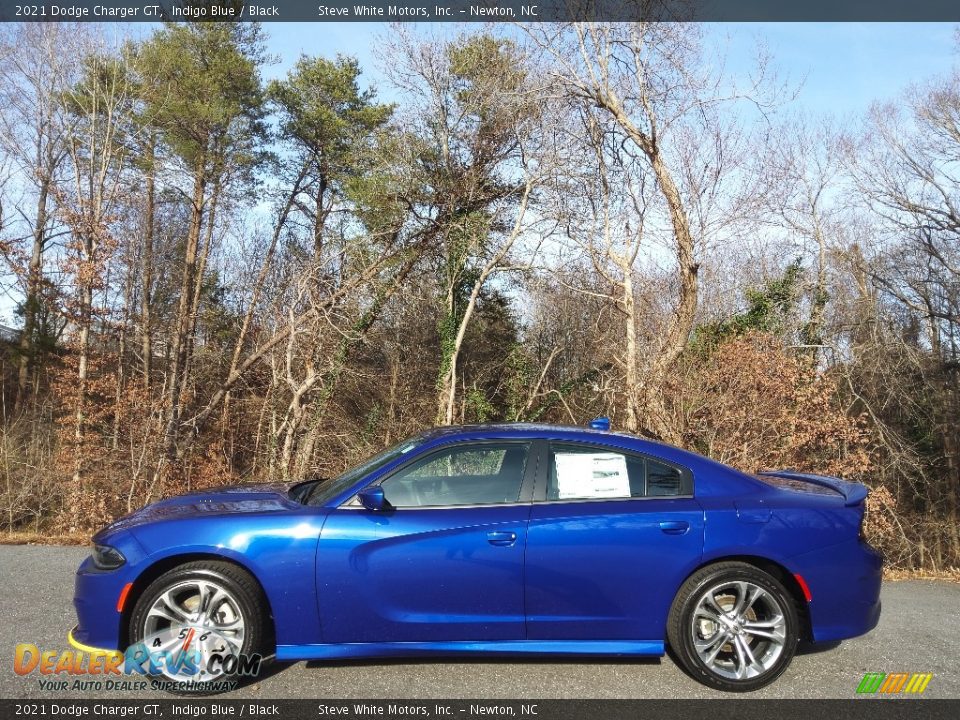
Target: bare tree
804	166
907	174
647	83
37	66
100	105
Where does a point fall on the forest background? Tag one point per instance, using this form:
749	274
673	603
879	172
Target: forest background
219	278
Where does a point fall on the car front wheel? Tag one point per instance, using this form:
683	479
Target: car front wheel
200	625
733	627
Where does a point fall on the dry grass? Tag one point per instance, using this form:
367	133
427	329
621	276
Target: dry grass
949	574
32	538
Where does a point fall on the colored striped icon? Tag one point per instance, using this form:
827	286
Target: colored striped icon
892	683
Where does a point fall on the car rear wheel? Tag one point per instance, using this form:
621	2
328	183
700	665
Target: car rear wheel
733	627
200	623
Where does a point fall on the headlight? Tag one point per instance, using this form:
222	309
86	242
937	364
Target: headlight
107	558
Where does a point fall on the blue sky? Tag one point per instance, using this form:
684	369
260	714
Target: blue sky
841	67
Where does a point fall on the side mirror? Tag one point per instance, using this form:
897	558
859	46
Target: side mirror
372	498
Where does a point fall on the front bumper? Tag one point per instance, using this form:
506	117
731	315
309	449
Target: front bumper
95	598
96	594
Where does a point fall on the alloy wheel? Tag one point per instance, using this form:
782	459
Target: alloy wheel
738	630
195	615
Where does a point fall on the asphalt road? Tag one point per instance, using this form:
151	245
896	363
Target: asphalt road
919	631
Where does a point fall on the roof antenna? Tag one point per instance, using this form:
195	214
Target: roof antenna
600	423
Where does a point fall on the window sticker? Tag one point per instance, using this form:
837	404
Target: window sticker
592	475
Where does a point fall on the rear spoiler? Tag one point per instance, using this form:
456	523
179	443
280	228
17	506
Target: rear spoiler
853	493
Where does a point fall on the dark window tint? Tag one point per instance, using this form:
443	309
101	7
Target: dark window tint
485	474
663	480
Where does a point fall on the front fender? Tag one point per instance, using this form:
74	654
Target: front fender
279	550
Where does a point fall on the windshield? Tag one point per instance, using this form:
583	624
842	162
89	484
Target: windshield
324	491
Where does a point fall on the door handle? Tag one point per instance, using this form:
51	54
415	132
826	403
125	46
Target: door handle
501	538
674	527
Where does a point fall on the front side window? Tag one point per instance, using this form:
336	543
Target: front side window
579	472
482	474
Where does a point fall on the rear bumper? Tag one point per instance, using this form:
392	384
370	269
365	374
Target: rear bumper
844	582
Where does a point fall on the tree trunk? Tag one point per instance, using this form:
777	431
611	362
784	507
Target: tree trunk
34	295
121	381
680	325
632	384
83	352
183	324
197	296
293	425
146	300
320	220
814	330
392	402
445	381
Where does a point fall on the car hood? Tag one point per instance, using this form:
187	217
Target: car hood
237	499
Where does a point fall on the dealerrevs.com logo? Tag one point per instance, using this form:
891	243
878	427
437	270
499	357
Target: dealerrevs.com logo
894	683
195	659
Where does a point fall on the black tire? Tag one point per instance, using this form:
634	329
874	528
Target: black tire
682	630
241	586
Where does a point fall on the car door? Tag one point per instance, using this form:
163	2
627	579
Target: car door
612	534
445	563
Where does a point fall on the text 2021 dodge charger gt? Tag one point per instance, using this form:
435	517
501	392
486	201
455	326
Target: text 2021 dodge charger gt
499	539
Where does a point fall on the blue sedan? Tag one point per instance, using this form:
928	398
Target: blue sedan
512	539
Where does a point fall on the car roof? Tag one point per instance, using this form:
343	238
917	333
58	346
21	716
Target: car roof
531	429
519	427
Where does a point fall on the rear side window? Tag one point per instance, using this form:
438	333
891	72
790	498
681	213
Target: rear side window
663	480
579	472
